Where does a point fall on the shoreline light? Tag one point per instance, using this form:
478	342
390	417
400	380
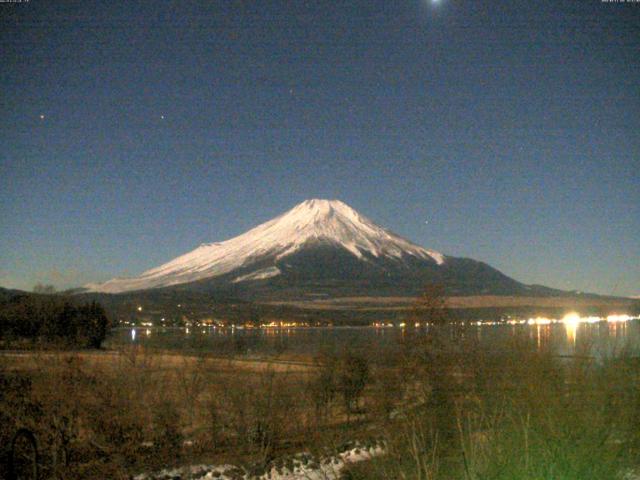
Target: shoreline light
572	318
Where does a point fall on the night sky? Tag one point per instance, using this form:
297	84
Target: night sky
134	131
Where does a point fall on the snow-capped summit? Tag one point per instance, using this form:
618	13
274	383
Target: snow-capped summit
263	252
335	222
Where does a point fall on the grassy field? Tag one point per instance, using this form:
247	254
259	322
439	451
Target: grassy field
31	361
117	413
443	407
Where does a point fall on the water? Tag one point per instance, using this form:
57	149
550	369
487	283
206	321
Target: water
563	338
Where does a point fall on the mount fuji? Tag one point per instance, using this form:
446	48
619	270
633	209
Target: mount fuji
318	247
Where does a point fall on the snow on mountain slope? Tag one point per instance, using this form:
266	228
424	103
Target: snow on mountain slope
325	221
259	274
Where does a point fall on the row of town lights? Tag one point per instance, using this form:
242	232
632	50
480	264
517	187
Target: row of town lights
571	318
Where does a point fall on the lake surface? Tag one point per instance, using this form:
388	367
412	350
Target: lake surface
574	336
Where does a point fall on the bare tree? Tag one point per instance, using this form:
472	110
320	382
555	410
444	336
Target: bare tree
431	306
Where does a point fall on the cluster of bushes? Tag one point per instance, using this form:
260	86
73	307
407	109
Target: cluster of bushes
522	413
342	377
51	318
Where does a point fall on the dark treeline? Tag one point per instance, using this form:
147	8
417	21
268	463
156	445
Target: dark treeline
53	319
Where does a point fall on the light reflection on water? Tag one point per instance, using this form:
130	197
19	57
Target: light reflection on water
562	337
572	331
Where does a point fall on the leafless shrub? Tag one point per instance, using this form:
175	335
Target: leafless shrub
322	384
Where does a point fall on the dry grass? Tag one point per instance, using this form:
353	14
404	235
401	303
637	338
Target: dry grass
114	414
446	409
29	360
117	413
522	414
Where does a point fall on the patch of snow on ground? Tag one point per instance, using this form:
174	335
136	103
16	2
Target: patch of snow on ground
302	466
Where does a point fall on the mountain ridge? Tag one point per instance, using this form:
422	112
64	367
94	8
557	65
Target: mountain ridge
319	247
311	222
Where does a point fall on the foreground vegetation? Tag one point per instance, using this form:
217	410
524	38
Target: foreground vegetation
521	414
443	409
441	405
